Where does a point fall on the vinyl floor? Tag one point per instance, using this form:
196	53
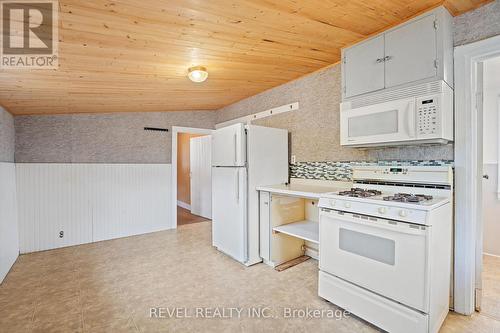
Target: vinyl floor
172	281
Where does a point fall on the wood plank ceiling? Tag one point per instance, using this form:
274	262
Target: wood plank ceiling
133	55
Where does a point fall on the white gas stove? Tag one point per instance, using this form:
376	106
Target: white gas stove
398	193
385	246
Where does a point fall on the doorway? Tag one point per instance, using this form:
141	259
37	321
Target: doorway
191	175
471	62
188	171
490	209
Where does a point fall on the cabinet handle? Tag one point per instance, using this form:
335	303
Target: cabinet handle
379	60
387	58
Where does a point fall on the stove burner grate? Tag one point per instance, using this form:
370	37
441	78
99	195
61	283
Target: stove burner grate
407	197
360	193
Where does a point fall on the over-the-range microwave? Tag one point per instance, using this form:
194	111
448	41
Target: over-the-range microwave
421	114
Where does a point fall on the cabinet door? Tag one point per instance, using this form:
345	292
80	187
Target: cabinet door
364	68
410	52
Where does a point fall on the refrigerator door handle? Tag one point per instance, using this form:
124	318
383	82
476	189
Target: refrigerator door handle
238	186
235	149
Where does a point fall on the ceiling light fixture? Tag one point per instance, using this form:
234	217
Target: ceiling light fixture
197	73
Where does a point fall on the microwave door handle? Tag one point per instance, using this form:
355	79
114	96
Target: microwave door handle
410	114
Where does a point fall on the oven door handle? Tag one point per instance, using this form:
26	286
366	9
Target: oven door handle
401	227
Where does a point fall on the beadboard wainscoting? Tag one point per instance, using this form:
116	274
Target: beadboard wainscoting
69	204
9	239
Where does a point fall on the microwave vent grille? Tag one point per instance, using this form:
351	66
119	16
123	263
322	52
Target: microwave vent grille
435	87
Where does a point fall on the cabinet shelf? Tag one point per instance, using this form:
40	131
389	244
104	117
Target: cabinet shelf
306	230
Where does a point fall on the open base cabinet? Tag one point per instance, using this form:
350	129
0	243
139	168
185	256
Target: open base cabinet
289	228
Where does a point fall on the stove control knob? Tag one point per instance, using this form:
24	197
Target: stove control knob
332	203
403	213
347	205
382	210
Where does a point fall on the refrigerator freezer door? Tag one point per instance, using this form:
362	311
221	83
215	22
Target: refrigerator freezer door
229	146
229	231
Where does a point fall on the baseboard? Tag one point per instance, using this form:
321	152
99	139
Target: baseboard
314	254
253	262
183	205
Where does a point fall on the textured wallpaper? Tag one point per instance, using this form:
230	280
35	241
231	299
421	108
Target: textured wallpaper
7	136
314	128
478	24
102	138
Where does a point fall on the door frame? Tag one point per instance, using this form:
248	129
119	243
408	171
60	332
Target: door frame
468	170
176	130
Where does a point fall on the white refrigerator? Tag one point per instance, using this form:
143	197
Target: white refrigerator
243	157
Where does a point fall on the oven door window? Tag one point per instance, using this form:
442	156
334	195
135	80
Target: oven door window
373	247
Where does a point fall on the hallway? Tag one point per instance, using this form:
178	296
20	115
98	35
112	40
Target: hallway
184	216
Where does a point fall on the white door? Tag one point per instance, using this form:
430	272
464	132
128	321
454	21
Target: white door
229	211
386	257
364	67
229	146
201	176
410	52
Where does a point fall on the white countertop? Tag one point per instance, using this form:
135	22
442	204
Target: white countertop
300	190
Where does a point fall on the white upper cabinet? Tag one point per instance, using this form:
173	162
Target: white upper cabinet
410	52
365	67
417	51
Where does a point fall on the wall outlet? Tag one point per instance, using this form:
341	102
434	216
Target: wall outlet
61	234
293	159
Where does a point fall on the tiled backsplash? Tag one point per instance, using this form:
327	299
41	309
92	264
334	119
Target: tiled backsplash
342	171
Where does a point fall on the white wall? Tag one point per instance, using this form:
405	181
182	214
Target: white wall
90	202
491	203
9	237
490	109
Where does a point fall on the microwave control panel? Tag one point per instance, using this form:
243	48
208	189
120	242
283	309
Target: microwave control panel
427	116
